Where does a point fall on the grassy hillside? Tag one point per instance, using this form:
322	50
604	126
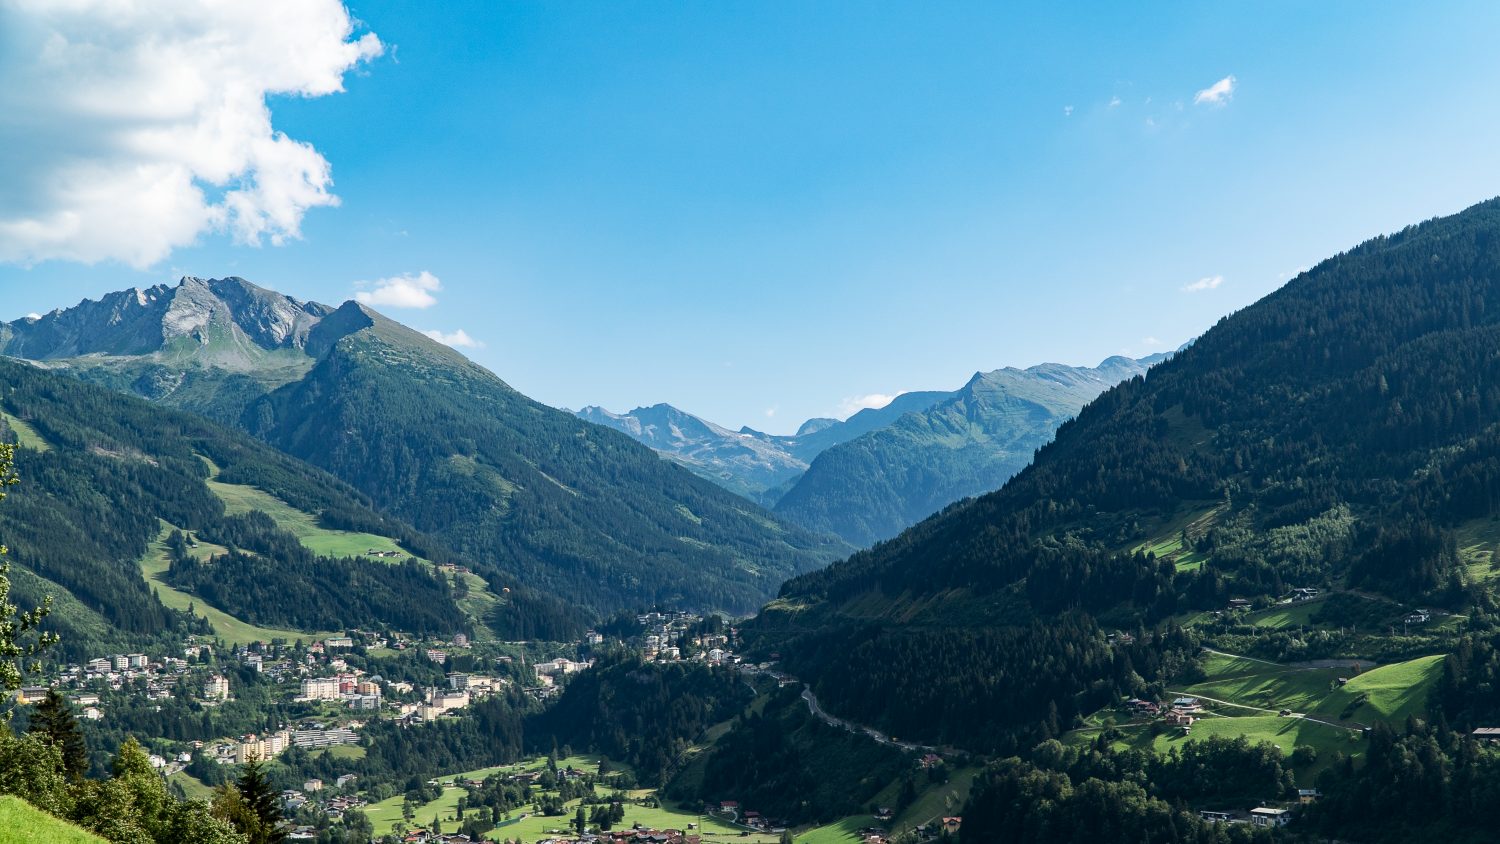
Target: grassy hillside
22	823
233	630
86	523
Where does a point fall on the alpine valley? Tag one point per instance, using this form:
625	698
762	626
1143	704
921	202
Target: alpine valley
303	555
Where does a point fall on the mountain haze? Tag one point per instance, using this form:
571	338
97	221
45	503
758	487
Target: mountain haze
875	485
883	469
754	464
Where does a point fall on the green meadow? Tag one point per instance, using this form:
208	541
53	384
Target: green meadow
387	813
231	629
320	540
22	823
26	436
1387	692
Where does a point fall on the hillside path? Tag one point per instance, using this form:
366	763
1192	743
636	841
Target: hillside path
1301	715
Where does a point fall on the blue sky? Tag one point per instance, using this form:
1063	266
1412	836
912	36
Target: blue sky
765	212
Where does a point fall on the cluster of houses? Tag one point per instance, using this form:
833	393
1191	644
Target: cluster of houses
637	835
462	690
730	810
1266	816
270	745
357	692
1181	712
117	672
664	630
437	654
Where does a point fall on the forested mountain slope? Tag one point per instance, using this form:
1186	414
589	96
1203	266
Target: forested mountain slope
105	476
570	508
1337	434
582	516
874	486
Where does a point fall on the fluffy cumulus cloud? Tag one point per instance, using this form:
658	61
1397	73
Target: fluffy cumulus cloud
1202	284
1217	94
459	339
873	401
401	291
132	127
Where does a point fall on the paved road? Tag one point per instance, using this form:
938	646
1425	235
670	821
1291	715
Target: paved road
871	732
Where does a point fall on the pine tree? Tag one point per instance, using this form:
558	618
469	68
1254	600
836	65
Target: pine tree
54	721
260	798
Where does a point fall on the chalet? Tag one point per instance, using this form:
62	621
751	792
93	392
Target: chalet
1265	816
952	825
1142	707
1308	795
1216	817
1187	704
1179	719
1304	594
1487	734
1239	604
884	813
1418	617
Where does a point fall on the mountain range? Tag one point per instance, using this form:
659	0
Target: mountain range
572	511
882	470
754	464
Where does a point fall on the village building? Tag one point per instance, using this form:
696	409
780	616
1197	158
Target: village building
1264	816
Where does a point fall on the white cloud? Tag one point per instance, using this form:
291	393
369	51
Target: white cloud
1067	111
1217	94
459	339
855	404
1202	284
771	411
1114	102
400	291
33	315
132	127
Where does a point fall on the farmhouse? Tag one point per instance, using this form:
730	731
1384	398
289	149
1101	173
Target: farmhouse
1264	816
1216	817
1179	719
